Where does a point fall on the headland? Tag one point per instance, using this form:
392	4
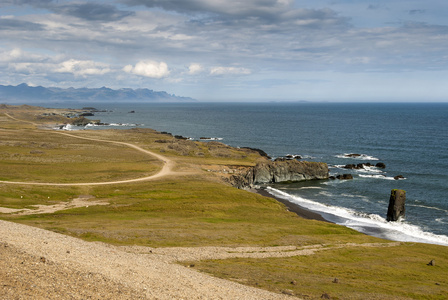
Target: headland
160	237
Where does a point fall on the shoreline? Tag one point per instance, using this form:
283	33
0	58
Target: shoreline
295	208
370	230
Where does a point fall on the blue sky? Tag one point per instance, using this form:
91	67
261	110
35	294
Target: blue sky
224	50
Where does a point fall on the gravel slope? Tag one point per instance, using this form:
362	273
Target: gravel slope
39	264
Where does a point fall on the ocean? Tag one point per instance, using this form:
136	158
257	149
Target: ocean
411	139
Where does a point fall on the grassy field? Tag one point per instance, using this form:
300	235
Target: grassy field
350	273
198	209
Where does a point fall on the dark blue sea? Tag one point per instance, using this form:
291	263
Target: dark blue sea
411	139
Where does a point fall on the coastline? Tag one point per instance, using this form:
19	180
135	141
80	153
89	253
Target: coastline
295	208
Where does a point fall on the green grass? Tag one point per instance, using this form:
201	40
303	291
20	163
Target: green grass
40	156
200	211
188	212
363	273
21	196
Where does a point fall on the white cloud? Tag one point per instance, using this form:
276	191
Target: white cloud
148	68
195	68
83	67
18	55
229	70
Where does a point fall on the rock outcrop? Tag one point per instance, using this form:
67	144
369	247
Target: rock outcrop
396	205
379	165
345	177
289	171
281	171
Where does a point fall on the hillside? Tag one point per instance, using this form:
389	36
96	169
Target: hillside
26	93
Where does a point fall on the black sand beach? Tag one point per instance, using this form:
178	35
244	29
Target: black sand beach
299	210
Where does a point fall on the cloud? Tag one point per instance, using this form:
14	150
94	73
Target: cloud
244	12
373	6
91	11
195	68
24	2
229	71
417	11
19	25
10	56
215	6
83	67
148	68
87	11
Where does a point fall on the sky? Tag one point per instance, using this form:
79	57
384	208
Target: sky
232	50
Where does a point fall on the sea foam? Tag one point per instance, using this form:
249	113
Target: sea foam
379	176
360	157
371	224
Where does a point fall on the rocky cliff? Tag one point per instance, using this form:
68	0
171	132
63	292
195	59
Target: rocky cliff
280	171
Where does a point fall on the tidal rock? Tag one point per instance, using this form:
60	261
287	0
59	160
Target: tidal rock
290	156
345	177
87	114
396	207
381	165
358	166
398	177
353	155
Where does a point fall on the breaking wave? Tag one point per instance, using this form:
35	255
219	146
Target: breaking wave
357	157
371	224
379	176
211	139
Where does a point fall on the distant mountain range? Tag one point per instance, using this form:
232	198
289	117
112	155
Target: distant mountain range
24	92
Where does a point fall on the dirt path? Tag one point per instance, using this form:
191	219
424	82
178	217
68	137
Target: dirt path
82	201
166	170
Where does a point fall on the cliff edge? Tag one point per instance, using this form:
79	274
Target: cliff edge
280	171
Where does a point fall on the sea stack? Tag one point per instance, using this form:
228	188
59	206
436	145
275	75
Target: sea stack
396	205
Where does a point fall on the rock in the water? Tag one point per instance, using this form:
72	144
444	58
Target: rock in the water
396	205
353	155
345	177
398	177
381	165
